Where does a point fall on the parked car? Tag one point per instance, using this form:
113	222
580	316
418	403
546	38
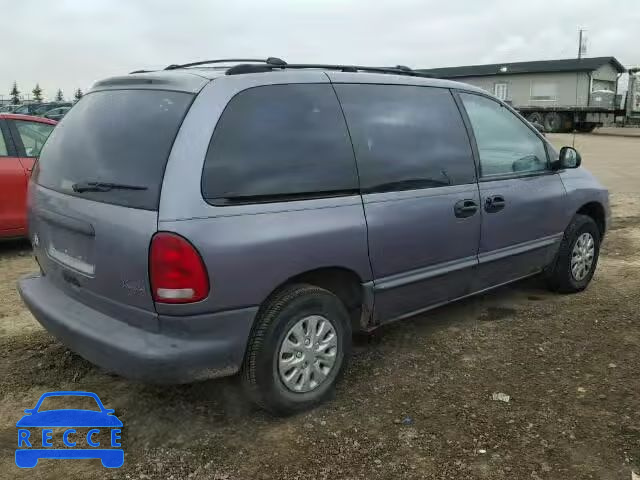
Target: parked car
39	109
249	219
27	108
21	139
8	108
57	113
44	108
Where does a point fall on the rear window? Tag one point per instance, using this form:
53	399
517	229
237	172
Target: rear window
280	142
120	137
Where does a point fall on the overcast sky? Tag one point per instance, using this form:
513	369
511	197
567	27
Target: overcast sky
71	43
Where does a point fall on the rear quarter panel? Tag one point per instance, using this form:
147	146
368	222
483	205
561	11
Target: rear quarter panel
250	250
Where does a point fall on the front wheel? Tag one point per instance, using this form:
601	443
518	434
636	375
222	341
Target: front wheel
577	257
298	349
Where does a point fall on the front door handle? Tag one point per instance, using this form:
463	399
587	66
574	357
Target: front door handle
494	203
465	208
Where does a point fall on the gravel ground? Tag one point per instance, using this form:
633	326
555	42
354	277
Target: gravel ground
416	401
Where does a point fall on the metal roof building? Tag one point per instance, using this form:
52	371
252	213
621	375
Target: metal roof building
570	82
587	84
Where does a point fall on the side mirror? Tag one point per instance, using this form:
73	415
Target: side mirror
569	158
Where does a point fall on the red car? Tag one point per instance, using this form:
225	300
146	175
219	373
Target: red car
21	139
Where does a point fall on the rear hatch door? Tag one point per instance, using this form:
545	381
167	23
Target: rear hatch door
94	198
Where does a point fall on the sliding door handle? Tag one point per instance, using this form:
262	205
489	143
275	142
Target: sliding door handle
494	203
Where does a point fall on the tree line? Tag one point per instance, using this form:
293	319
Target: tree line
37	94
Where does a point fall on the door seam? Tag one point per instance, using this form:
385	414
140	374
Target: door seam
371	320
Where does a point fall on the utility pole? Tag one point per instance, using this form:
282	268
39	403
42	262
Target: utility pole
582	47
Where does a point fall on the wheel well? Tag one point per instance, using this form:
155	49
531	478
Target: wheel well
595	211
343	283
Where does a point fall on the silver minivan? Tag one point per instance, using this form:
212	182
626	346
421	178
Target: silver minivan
226	217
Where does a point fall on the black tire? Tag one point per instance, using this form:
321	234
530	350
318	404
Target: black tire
555	122
536	117
560	278
277	316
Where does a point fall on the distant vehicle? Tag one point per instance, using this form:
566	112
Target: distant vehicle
247	219
27	108
46	107
9	108
57	113
39	109
21	139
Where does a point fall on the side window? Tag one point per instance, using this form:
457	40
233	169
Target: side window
278	141
33	136
506	145
3	146
406	137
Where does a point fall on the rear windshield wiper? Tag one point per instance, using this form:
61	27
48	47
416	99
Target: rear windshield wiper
103	187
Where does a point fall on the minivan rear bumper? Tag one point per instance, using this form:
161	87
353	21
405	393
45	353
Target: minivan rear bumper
186	349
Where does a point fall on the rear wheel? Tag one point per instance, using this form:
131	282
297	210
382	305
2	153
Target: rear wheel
577	257
298	349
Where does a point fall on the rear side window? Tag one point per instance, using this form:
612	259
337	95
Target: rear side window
406	137
277	142
3	146
120	137
33	136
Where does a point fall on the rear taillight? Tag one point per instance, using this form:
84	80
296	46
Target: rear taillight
176	270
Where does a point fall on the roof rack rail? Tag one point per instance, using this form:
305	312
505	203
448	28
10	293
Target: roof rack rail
252	68
269	61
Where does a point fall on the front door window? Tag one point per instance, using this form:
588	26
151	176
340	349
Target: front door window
507	146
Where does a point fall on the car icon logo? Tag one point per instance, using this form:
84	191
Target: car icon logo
79	433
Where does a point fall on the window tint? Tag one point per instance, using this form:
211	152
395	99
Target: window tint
33	136
118	136
279	140
506	145
406	137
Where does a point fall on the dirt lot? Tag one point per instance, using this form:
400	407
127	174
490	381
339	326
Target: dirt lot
416	400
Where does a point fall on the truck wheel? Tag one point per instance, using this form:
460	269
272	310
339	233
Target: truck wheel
536	117
298	349
554	122
577	257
